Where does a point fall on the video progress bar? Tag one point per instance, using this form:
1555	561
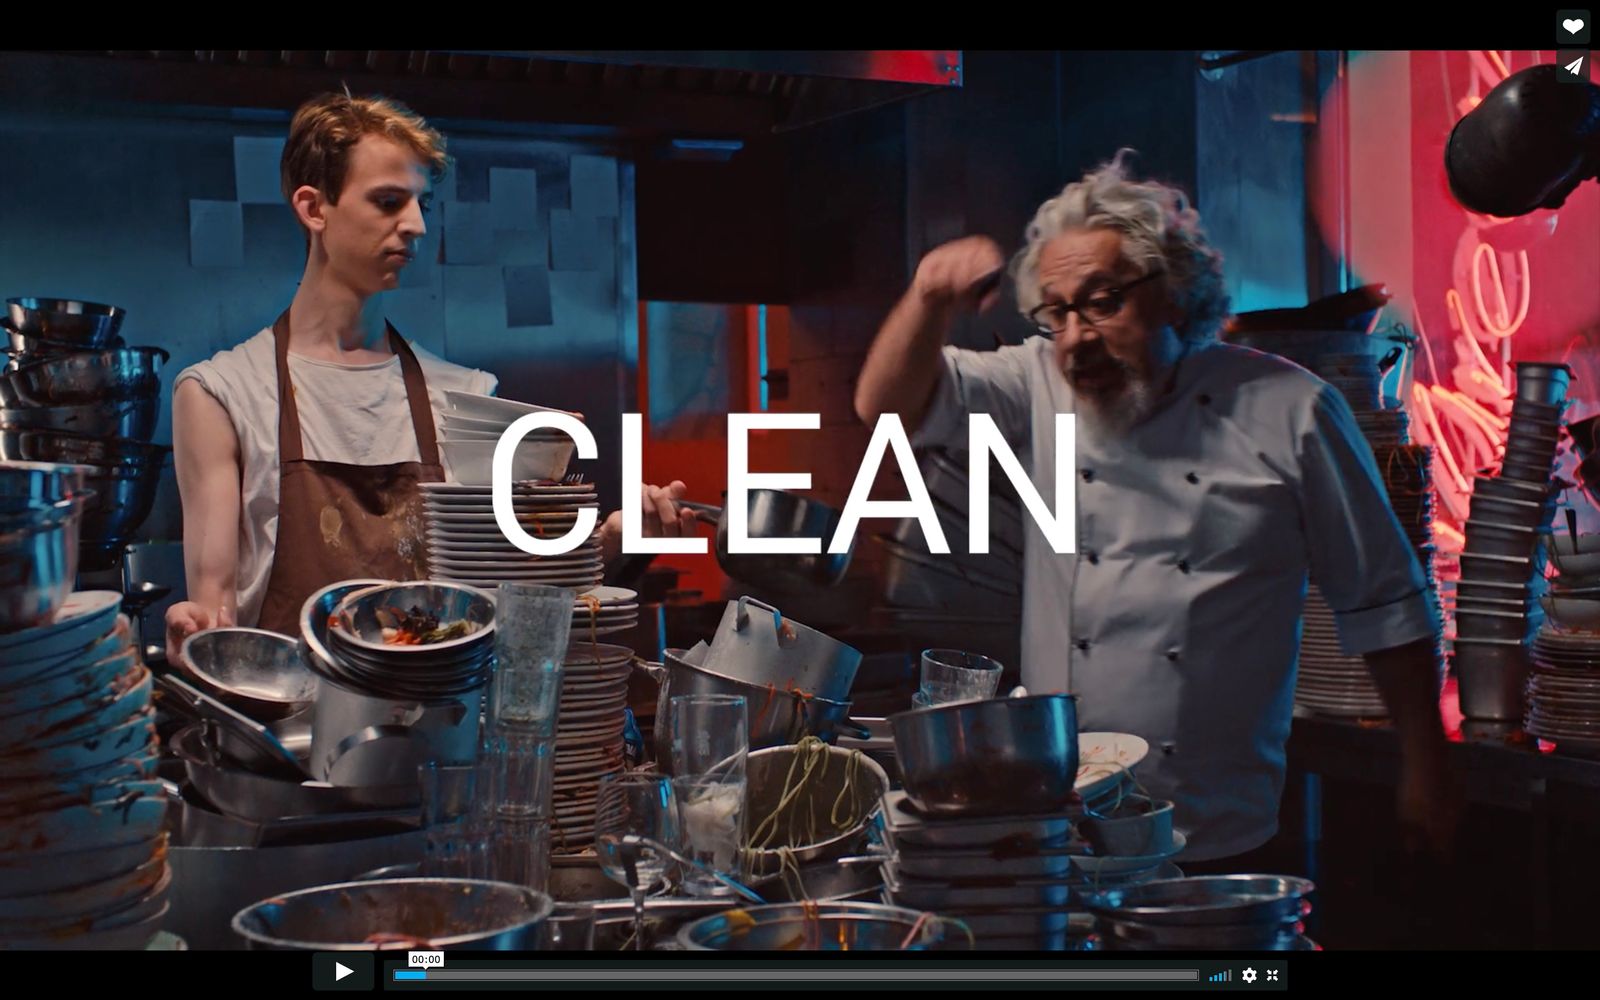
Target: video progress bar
531	975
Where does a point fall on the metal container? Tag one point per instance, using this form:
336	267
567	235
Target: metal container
755	643
77	449
38	480
86	377
966	891
86	325
910	831
1492	677
826	880
261	798
389	914
128	418
1206	901
777	514
1540	382
1131	935
1005	756
261	673
361	740
25	349
826	794
777	717
825	926
38	561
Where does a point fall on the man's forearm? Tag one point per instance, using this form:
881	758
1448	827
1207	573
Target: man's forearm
1407	677
902	369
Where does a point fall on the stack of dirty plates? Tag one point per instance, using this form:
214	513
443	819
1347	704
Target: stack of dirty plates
604	611
465	544
594	701
83	859
1564	691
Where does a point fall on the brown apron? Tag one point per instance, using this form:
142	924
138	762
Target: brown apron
337	521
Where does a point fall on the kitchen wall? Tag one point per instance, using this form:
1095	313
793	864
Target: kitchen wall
527	269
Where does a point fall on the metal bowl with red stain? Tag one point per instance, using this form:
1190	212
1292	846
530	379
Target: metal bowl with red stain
1005	756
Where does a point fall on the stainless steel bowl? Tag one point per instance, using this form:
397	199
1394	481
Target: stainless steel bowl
259	672
85	324
398	914
1214	900
87	377
449	602
129	418
38	561
826	926
314	615
124	497
1005	756
25	349
78	449
43	481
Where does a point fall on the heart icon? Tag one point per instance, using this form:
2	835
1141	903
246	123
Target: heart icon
1573	25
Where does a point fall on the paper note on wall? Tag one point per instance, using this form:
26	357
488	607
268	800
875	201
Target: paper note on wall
216	233
594	185
468	232
574	241
514	193
528	296
256	170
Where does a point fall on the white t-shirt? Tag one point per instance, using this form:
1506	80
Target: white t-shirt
355	414
1178	617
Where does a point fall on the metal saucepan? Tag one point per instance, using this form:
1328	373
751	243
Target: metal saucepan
777	514
777	717
1005	756
756	644
86	377
263	799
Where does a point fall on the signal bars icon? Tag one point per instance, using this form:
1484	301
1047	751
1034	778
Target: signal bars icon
1225	976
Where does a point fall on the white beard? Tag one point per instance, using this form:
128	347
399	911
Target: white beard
1114	417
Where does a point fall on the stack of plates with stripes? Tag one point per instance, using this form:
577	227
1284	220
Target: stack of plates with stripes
603	611
1564	691
465	544
83	855
594	702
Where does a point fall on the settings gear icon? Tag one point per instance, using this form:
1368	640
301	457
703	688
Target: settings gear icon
1249	975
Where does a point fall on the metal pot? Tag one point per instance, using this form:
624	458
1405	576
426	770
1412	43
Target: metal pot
767	772
87	377
263	799
406	913
361	740
1005	756
777	718
777	514
767	649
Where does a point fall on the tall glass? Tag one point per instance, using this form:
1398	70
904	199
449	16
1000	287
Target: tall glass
710	746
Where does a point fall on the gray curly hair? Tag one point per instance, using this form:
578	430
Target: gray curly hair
1159	231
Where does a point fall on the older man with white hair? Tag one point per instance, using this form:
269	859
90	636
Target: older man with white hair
1210	480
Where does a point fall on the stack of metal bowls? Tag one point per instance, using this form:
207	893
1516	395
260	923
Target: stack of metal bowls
1497	610
1216	913
384	709
72	393
41	510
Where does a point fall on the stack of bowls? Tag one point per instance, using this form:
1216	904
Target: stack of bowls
472	426
1573	601
82	853
1218	913
382	710
72	393
1502	565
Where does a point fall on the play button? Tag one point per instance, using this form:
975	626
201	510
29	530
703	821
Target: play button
343	971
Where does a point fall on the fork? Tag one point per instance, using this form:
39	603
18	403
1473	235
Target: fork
572	479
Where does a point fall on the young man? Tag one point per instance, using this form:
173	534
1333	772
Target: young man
298	453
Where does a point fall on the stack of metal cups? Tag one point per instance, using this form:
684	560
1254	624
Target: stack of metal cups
520	737
1497	610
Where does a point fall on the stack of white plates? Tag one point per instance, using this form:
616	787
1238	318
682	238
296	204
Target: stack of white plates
594	702
471	430
1354	375
83	859
1564	691
465	544
603	611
